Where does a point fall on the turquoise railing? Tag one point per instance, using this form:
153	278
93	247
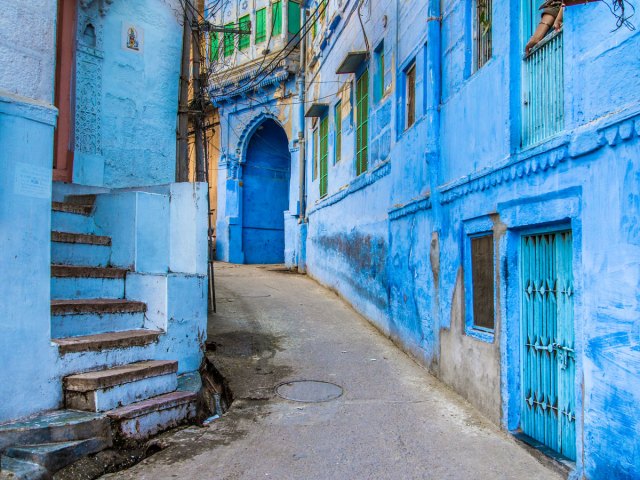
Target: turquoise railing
543	90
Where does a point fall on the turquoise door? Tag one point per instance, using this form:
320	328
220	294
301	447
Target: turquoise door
547	339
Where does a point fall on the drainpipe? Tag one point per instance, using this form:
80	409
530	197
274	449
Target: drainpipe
434	78
302	193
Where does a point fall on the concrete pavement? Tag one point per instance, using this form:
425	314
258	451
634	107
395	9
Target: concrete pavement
394	420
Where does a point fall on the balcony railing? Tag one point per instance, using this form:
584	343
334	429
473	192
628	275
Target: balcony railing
543	90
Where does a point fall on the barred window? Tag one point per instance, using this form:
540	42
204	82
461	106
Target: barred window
482	32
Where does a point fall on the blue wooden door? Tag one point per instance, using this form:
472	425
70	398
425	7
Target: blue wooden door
547	339
265	195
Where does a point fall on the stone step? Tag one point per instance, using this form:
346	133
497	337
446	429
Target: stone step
72	208
54	456
141	420
82	282
73	219
81	317
118	386
80	254
100	306
81	238
84	199
107	341
14	469
57	426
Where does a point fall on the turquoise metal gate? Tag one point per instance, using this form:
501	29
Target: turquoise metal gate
547	339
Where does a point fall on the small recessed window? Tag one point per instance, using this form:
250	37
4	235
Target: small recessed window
410	91
482	32
482	279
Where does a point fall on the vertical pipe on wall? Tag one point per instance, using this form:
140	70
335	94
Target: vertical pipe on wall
433	80
182	153
301	120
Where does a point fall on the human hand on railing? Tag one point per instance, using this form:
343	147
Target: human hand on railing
546	22
557	25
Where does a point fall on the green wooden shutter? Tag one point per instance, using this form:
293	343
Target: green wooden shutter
316	141
213	47
324	154
293	17
261	25
244	40
228	40
362	122
338	122
276	18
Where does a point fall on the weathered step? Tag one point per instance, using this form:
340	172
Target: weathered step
123	385
73	208
106	341
98	306
80	271
15	469
140	420
69	248
82	238
58	426
85	199
82	282
54	456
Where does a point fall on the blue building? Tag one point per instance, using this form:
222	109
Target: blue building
478	205
103	256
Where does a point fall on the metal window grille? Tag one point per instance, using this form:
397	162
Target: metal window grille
482	279
547	339
316	142
338	122
261	25
293	17
244	39
324	154
228	40
483	32
362	123
213	47
542	82
276	18
411	95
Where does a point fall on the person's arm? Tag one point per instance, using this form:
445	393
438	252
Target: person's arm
557	25
546	23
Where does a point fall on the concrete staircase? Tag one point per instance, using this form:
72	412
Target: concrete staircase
90	313
115	389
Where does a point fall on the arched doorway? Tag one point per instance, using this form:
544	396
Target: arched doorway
265	194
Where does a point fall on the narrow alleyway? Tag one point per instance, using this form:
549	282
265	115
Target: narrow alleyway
393	421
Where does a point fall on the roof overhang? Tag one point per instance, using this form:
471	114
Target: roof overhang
317	110
352	62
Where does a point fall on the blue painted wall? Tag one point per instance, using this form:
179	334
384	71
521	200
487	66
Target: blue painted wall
395	240
127	100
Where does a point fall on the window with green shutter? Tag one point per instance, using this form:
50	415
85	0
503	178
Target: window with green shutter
276	18
228	40
293	17
362	123
244	40
338	121
324	155
213	47
316	141
261	25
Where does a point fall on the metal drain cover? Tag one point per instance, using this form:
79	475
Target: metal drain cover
309	391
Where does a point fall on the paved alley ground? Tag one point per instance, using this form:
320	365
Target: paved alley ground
394	420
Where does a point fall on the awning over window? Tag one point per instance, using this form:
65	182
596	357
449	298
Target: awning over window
352	62
317	110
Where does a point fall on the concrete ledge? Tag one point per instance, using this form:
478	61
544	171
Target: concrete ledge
105	341
99	306
84	382
19	106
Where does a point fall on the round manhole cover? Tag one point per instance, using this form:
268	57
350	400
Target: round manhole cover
309	391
